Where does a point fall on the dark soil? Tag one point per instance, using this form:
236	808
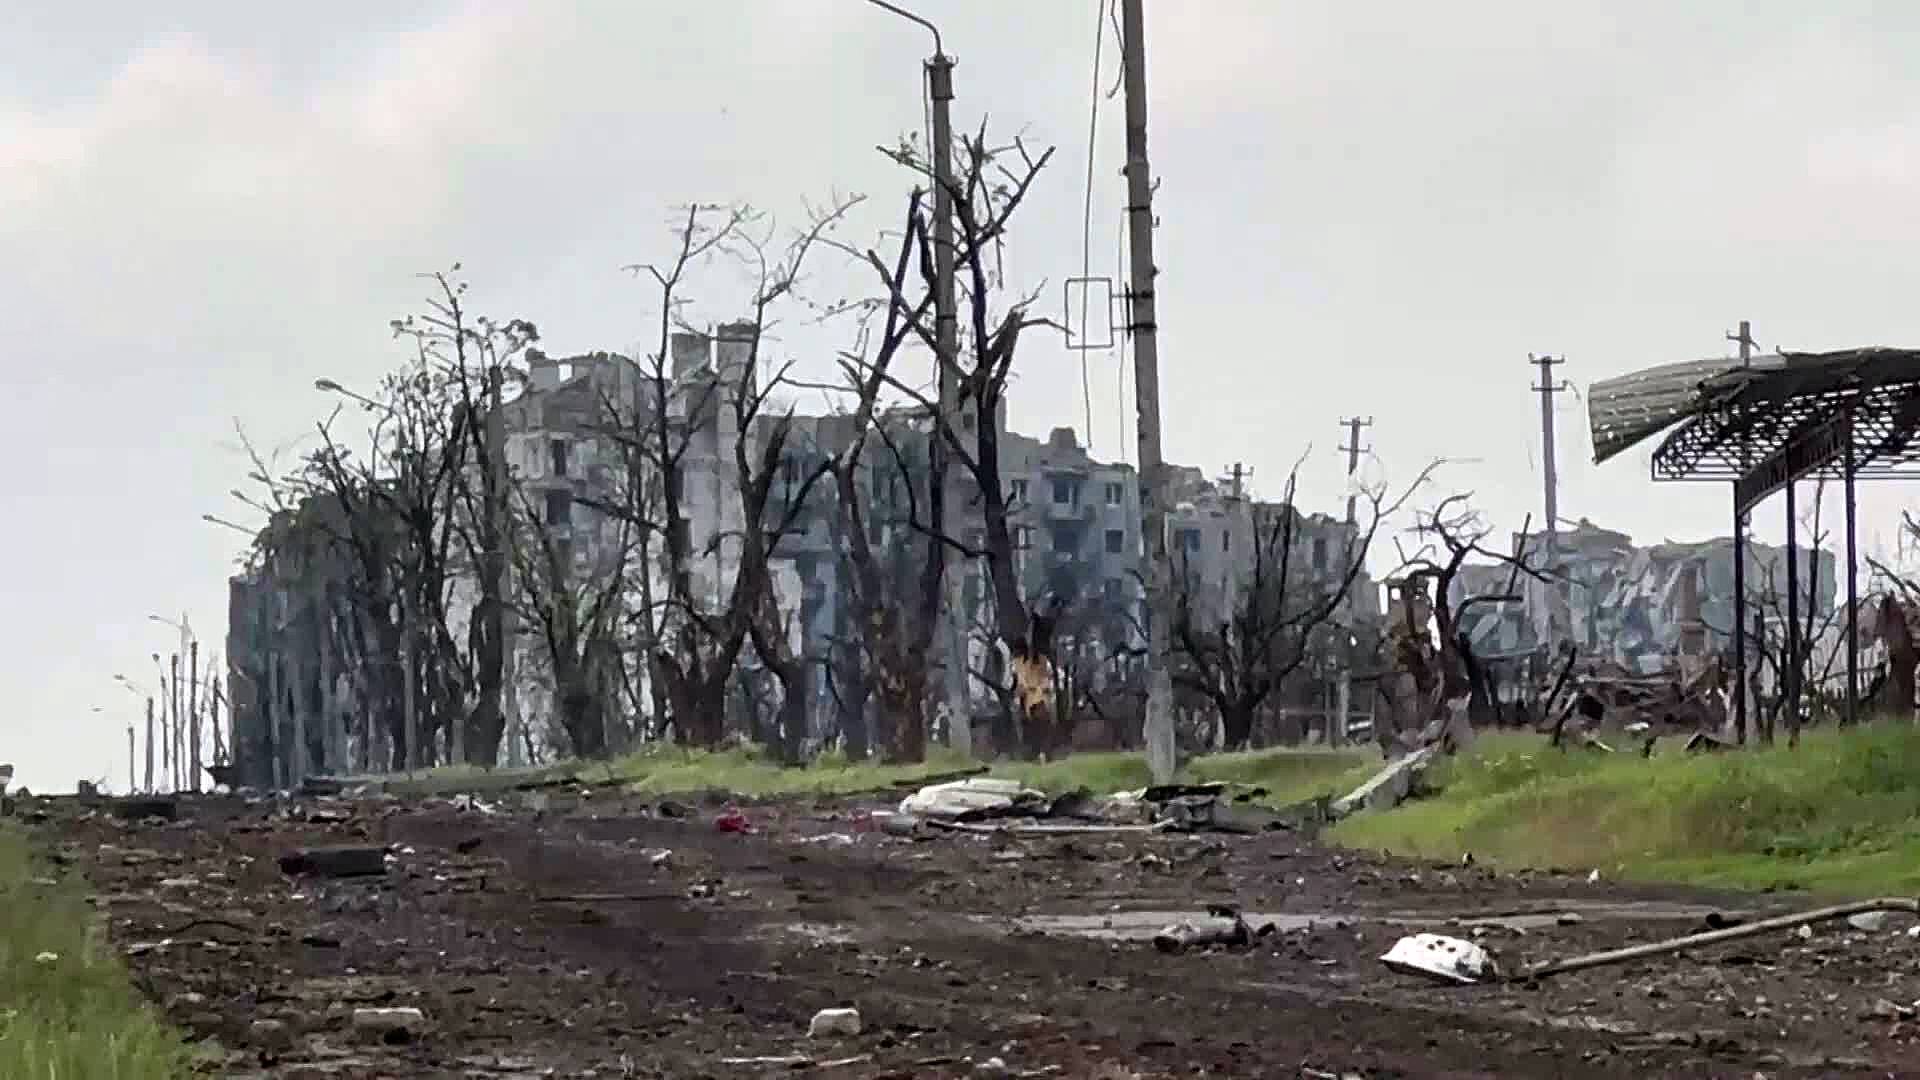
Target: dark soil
726	946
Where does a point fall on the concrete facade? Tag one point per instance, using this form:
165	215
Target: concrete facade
1629	603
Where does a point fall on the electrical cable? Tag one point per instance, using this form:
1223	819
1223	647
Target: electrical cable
1086	216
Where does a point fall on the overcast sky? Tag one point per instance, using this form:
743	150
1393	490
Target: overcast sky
1376	208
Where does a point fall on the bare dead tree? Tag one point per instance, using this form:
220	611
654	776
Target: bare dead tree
1267	626
1449	681
655	433
572	580
987	190
895	614
472	356
695	642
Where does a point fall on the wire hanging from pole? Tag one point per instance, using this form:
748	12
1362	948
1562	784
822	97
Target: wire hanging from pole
1086	215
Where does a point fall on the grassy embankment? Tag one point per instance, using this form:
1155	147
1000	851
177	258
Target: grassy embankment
1839	814
1288	775
67	1011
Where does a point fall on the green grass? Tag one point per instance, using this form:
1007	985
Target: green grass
1840	814
67	1011
1288	775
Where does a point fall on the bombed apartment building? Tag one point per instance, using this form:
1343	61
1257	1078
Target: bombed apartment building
1637	606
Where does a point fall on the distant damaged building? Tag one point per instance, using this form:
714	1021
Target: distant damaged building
1638	606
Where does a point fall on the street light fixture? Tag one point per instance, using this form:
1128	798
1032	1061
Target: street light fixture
328	386
212	520
186	632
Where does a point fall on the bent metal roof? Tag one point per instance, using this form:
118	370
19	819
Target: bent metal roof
1723	417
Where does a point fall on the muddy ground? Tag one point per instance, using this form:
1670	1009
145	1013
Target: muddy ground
725	946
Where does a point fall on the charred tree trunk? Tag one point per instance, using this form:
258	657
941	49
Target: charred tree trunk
1236	722
487	724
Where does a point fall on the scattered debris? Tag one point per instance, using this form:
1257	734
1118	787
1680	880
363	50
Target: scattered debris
46	958
1047	828
732	820
1800	923
834	1023
1223	926
973	799
342	861
473	803
1438	957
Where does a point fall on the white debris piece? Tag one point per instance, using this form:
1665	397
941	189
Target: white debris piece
833	1023
389	1024
1439	957
1869	921
473	803
978	794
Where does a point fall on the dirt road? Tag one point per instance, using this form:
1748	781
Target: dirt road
966	956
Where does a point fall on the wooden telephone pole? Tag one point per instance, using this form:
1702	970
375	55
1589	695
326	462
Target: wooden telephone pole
1161	755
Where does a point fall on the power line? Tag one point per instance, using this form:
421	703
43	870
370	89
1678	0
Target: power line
1086	213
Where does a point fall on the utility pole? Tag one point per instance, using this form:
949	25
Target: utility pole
1548	471
175	742
1745	340
1353	450
1237	475
1161	756
947	338
939	72
193	715
148	786
1343	616
133	778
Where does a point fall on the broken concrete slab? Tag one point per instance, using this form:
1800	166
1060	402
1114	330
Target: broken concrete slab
1390	786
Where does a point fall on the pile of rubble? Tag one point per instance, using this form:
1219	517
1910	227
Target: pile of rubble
989	804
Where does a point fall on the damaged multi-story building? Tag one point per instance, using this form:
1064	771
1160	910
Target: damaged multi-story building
1640	607
569	430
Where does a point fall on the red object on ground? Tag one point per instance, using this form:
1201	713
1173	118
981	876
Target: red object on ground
732	820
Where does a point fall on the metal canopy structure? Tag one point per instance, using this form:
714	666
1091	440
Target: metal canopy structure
1763	423
1743	416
